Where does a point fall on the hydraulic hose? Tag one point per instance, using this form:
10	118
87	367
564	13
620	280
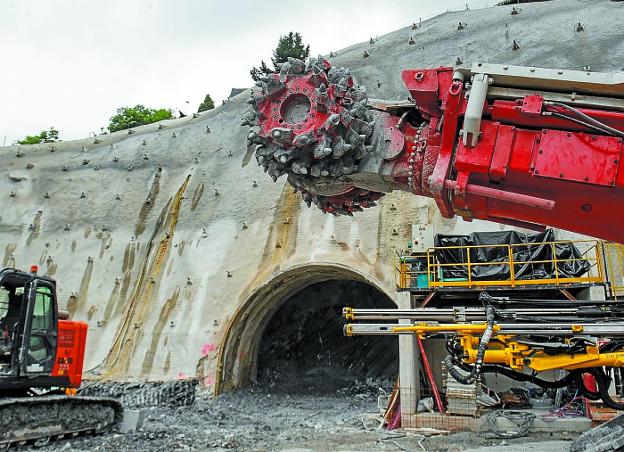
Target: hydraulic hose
519	376
475	373
589	119
603	381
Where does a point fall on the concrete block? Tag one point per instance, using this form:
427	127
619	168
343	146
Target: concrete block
132	420
544	423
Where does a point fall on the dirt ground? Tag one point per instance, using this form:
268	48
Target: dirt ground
260	420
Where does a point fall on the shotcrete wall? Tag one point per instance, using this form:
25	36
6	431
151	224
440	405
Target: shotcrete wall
162	239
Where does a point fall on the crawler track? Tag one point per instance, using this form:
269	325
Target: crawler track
39	419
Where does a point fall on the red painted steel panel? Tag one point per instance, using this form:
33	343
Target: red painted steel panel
71	342
502	152
478	158
532	105
579	157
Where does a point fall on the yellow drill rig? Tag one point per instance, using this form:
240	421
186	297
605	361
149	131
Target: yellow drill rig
518	338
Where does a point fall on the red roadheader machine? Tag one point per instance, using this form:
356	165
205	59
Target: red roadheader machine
521	146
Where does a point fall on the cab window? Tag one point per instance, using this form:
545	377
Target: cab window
42	312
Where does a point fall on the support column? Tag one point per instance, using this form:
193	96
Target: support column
409	383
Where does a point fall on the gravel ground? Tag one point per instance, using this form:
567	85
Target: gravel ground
258	420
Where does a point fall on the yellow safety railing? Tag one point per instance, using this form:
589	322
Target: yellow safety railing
422	270
614	268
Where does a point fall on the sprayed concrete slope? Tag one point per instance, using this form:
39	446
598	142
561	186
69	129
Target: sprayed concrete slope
162	250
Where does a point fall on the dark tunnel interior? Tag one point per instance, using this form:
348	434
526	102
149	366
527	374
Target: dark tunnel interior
303	349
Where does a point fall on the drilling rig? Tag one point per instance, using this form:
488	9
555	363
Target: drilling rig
521	146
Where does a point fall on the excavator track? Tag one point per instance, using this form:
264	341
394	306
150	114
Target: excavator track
37	420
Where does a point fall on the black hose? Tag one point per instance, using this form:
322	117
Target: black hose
603	382
590	120
578	121
475	373
611	346
519	376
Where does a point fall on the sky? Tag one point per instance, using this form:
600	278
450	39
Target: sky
71	63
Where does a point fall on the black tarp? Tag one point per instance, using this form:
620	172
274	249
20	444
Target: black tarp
531	254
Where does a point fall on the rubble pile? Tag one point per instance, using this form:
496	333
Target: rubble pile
258	419
144	394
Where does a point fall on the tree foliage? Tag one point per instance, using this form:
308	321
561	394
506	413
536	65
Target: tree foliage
138	115
289	45
515	2
45	136
207	104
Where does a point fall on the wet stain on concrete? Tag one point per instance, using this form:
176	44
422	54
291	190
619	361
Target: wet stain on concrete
248	155
123	293
379	257
36	228
106	242
111	300
282	231
71	301
51	270
80	299
343	246
128	260
360	256
134	343
169	305
199	191
167	364
8	251
147	206
130	331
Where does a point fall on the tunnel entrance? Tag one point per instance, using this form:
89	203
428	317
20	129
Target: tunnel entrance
303	349
312	293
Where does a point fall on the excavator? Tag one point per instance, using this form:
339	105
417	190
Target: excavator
41	360
522	146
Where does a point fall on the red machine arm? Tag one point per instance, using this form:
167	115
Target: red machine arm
521	146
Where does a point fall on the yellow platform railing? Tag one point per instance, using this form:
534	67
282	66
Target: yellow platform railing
424	270
614	268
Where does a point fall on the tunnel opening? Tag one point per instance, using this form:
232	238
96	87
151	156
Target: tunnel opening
303	350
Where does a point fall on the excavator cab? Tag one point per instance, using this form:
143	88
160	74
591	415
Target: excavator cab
28	327
41	357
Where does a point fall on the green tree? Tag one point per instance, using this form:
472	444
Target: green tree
515	2
289	45
45	136
138	115
207	104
